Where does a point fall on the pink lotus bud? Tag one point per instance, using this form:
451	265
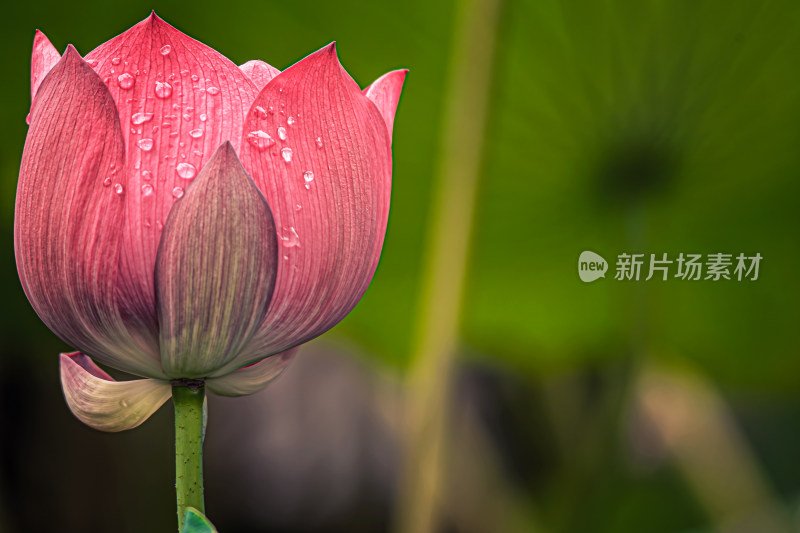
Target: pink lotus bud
178	216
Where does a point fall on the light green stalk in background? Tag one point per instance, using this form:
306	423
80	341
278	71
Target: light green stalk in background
436	336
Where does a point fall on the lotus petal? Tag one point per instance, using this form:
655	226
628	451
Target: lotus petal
259	72
323	161
104	404
215	270
69	211
385	92
178	101
252	378
45	57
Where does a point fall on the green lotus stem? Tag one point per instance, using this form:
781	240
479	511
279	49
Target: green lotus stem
188	397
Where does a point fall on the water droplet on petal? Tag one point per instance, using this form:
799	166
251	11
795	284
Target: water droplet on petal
260	139
146	174
290	121
196	133
147	189
282	133
298	207
319	142
115	61
260	112
91	62
107	182
141	118
212	90
123	403
125	81
159	225
163	89
186	170
145	144
290	238
177	192
286	153
166	49
308	176
119	189
203	117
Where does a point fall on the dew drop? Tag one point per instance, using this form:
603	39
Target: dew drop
123	403
319	142
290	121
166	49
308	176
260	112
159	225
141	118
203	117
147	189
146	175
186	171
115	61
298	207
195	77
196	133
125	81
107	182
145	144
286	153
91	62
187	117
282	133
290	238
177	192
198	153
163	89
119	189
212	90
260	139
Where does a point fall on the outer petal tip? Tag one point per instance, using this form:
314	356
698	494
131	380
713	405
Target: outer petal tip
104	404
44	58
385	94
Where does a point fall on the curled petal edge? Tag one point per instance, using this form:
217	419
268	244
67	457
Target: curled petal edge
252	378
102	403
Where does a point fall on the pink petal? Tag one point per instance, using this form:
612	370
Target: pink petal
252	378
69	211
178	100
385	92
215	270
331	225
45	56
104	404
258	71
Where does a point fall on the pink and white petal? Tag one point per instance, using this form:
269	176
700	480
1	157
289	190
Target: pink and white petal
45	56
215	270
104	404
178	100
323	161
259	72
252	378
69	215
385	92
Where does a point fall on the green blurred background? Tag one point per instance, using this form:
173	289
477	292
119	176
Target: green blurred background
615	126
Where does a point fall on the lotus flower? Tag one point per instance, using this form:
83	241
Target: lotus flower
179	217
